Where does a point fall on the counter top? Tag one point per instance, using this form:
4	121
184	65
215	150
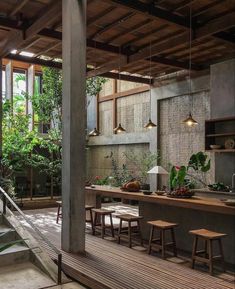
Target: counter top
196	202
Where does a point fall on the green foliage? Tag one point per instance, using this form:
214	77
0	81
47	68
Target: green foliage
199	162
94	85
177	177
120	174
101	181
142	163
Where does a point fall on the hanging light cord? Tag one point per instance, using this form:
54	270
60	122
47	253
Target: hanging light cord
190	48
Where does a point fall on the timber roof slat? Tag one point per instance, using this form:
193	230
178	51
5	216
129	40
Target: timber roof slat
126	27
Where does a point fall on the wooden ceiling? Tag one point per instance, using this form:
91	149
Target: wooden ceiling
123	34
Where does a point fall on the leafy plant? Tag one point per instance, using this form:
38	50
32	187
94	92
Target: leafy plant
198	162
142	163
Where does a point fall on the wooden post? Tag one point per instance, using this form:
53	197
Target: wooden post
30	90
0	114
74	125
9	82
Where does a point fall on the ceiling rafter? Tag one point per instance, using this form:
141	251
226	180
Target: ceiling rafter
58	65
15	39
152	12
18	7
113	24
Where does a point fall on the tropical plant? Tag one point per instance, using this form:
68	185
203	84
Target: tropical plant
198	162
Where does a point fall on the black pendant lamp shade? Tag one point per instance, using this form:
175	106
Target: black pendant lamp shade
94	132
190	121
119	129
150	124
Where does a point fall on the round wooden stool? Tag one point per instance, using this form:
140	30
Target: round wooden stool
59	211
99	221
208	237
88	209
160	243
130	230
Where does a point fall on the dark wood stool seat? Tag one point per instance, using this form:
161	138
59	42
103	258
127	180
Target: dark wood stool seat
99	221
88	209
160	243
206	255
59	211
130	231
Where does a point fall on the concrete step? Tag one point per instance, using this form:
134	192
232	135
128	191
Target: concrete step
18	253
24	276
8	235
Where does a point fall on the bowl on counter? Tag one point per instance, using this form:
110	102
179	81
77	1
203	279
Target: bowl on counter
215	147
159	193
145	192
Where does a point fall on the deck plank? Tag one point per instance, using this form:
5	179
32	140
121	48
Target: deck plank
108	265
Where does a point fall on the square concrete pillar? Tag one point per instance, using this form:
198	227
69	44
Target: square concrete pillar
74	125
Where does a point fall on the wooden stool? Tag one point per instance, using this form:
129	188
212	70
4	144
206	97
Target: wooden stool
88	209
160	243
59	212
208	237
131	230
99	221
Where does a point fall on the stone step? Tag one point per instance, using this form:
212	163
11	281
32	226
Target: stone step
24	276
8	235
18	253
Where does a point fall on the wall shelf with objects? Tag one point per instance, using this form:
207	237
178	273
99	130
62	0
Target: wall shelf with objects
220	135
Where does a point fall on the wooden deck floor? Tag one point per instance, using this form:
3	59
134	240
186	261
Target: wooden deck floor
108	265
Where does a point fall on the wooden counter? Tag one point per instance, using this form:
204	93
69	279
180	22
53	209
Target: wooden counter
195	203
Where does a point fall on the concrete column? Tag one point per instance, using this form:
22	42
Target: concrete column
74	125
30	90
9	81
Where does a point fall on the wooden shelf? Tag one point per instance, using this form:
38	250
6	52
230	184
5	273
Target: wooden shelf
221	134
221	151
231	118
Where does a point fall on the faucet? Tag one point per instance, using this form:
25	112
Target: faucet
233	183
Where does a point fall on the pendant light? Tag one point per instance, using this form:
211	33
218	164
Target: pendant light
190	121
119	128
95	131
150	124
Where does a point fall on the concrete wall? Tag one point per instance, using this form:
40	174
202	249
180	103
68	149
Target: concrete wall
177	142
213	95
99	161
133	112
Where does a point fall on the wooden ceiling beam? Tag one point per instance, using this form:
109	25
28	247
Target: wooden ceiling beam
48	48
58	65
217	25
18	7
93	20
151	11
113	24
15	39
130	30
